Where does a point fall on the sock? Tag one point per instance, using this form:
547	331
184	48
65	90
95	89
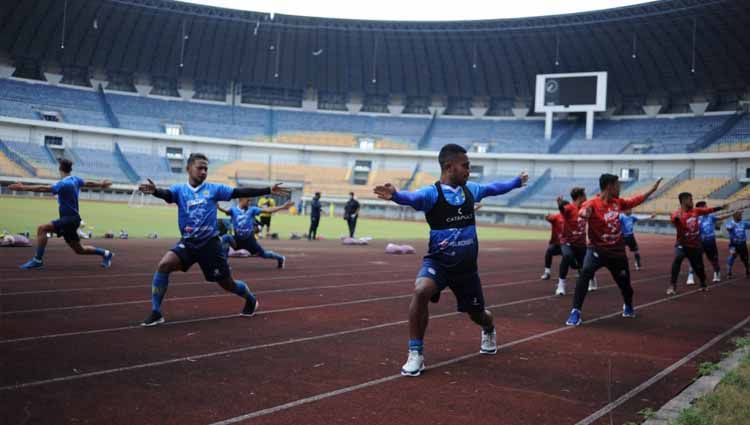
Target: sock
489	329
100	252
730	263
271	254
240	288
416	345
547	270
638	259
158	290
39	252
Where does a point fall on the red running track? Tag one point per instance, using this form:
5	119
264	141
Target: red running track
331	336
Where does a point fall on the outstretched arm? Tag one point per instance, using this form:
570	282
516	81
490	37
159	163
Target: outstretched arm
151	189
20	187
251	192
639	199
287	205
419	200
227	212
103	184
501	187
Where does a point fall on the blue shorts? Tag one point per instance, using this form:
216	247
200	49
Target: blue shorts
210	257
67	227
250	244
465	286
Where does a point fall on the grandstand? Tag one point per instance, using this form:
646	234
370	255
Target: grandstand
123	122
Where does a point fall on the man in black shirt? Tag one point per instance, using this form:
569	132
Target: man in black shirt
351	212
314	217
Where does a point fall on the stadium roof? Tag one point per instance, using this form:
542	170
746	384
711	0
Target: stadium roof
667	46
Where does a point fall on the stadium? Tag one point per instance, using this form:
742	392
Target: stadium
656	94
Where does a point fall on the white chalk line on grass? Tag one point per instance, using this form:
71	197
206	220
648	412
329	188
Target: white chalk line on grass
345	390
315	338
666	371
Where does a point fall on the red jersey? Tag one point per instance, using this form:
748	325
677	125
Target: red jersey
688	226
574	232
604	222
557	222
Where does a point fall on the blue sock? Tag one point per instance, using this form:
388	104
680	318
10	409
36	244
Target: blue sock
416	345
730	263
240	288
158	290
39	253
100	252
271	254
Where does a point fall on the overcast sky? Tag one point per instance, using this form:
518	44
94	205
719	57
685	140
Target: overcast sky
418	10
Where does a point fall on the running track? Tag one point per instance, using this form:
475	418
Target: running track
330	338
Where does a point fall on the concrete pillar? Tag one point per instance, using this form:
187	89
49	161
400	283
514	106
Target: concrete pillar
548	125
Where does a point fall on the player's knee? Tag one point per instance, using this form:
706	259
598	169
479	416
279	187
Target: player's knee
424	292
164	267
41	229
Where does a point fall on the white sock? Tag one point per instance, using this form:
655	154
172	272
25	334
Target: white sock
547	270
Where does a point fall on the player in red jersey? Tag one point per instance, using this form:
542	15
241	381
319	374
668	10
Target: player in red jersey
606	245
556	222
573	240
688	244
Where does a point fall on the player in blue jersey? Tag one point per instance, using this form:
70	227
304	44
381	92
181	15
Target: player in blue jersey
451	261
196	202
737	228
707	225
627	221
243	223
67	190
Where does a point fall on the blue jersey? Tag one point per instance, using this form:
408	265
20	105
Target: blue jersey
737	231
708	227
67	195
197	210
627	223
453	246
243	221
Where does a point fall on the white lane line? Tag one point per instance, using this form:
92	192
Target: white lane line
233	316
340	391
294	341
198	297
654	379
192	283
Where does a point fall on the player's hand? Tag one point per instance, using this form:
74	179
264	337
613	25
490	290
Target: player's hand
16	186
280	191
385	191
559	200
658	182
105	184
524	178
653	216
148	188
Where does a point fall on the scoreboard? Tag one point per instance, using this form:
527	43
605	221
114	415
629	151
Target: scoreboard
575	92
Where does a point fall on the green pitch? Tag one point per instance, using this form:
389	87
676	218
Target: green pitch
24	214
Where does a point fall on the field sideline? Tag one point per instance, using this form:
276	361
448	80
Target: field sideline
24	214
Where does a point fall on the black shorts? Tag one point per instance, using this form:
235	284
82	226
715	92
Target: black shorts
250	244
710	249
554	249
210	257
67	227
465	286
265	222
631	242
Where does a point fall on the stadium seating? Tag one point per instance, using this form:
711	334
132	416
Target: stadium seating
196	118
737	139
667	202
503	136
654	135
99	164
10	168
24	100
153	167
560	186
37	156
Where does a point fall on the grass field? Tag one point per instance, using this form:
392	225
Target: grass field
24	214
